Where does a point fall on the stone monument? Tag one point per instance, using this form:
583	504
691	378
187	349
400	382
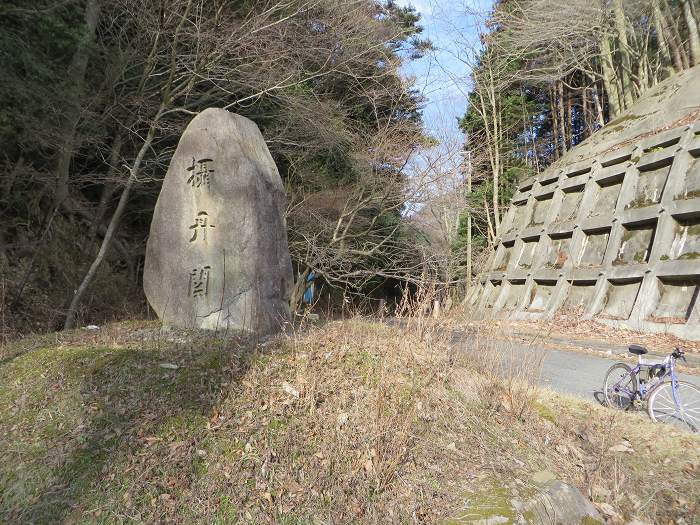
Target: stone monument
217	256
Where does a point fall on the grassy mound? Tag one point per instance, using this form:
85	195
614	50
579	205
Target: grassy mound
353	422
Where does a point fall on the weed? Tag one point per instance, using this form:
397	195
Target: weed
354	422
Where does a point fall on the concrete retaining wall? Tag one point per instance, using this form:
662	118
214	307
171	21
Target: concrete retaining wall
612	229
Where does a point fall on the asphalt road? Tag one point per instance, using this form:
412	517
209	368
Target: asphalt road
577	373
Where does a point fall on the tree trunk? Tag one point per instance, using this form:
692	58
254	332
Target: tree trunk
168	97
561	117
111	229
555	121
108	187
495	114
609	77
469	220
569	119
693	37
598	106
587	126
491	233
677	40
661	38
490	119
76	72
669	33
623	50
298	290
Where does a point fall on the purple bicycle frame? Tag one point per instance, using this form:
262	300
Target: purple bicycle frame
642	390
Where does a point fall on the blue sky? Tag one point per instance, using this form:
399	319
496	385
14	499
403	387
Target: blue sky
443	76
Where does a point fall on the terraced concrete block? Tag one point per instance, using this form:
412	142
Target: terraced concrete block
520	217
570	205
594	247
527	254
677	300
503	257
580	295
559	252
514	296
493	291
542	208
605	200
636	243
686	240
620	299
541	294
650	187
616	221
690	188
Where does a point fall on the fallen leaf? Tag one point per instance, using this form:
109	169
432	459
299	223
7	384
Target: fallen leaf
342	419
608	510
621	447
289	389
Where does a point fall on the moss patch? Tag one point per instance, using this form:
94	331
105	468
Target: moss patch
641	201
493	501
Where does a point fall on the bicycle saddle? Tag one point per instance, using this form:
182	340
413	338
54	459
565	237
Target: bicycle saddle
637	350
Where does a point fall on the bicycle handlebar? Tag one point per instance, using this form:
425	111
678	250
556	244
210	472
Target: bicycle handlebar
679	354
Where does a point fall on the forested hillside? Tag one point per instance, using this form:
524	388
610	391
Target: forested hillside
97	92
549	73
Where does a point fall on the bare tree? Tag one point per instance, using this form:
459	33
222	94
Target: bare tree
198	53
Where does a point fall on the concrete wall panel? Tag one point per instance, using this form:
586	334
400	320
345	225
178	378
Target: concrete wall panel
594	247
690	188
613	227
605	199
636	245
650	186
619	299
677	299
540	295
686	240
580	294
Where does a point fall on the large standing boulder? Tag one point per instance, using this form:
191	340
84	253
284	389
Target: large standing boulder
217	256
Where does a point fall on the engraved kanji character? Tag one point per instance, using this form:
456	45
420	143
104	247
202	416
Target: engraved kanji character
199	173
199	282
201	223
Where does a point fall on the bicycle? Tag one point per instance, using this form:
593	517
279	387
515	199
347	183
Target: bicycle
669	400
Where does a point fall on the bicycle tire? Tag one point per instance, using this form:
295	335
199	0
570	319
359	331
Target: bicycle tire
615	371
660	409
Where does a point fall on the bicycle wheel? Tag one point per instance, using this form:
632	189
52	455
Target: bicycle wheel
662	407
620	386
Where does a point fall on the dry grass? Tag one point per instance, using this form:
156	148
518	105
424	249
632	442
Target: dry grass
351	422
571	325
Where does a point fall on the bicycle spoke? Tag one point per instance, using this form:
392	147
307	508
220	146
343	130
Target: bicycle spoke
663	406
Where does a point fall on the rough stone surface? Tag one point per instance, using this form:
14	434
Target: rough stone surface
561	504
547	501
543	476
217	256
613	228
